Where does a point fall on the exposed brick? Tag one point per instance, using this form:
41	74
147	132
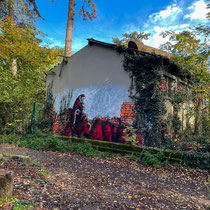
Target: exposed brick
127	112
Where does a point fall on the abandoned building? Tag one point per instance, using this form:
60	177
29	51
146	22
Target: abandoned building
97	71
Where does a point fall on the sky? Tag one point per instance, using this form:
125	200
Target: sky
115	17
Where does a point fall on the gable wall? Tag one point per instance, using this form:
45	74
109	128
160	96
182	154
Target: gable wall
97	72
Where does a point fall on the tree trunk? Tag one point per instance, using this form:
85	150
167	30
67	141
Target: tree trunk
11	15
11	12
14	66
69	29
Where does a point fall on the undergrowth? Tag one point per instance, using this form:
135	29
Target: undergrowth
45	141
147	158
49	142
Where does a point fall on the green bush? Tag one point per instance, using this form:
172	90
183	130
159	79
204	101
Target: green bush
196	160
10	138
195	143
198	143
155	160
45	141
130	135
87	147
84	149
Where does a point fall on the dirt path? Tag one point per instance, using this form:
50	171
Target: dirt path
92	183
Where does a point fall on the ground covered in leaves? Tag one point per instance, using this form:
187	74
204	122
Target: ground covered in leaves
71	181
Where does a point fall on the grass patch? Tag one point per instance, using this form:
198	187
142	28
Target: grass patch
16	204
44	173
34	163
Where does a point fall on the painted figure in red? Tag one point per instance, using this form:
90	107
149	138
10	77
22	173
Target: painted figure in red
77	108
114	132
107	131
76	113
96	132
81	126
68	128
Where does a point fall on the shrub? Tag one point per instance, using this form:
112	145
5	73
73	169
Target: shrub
45	141
11	139
84	149
130	135
196	160
155	160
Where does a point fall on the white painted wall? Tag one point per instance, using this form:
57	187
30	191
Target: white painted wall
97	72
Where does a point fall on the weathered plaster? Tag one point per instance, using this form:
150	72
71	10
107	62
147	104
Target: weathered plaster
97	72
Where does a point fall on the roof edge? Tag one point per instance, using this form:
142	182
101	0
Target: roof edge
142	48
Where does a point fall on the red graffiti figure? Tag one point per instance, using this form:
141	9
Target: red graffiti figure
114	132
97	133
75	113
68	130
77	108
81	126
107	131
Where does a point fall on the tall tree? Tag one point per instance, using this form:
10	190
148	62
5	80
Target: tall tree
86	14
22	61
18	92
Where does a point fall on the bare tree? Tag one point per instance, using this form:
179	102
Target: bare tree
85	13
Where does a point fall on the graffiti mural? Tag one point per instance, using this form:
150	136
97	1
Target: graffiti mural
99	128
100	100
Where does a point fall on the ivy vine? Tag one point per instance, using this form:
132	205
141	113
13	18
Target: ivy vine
146	71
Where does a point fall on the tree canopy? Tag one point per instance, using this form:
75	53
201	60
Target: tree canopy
21	11
20	90
191	53
134	36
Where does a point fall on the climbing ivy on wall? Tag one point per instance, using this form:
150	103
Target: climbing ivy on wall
178	99
148	91
146	72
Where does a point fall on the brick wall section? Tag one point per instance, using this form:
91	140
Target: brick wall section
127	112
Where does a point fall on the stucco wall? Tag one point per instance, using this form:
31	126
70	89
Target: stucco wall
97	72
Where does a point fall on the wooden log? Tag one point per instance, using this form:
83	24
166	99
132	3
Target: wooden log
6	183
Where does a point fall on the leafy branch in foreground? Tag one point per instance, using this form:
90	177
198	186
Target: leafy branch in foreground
191	53
20	90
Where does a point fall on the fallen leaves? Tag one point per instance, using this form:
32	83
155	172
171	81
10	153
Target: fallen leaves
88	183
